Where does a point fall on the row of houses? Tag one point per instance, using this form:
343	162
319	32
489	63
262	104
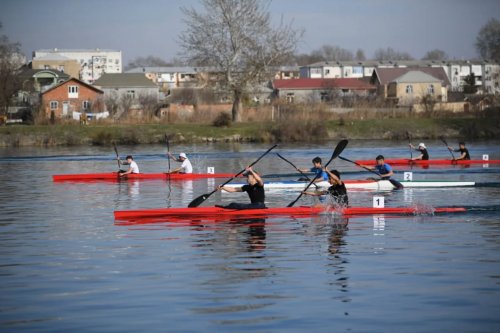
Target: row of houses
68	83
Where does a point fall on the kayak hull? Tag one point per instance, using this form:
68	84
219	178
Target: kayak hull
406	161
113	176
361	184
203	212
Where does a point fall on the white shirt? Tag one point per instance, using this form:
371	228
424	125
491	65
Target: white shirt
134	167
186	166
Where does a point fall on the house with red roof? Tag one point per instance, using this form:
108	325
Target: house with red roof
316	90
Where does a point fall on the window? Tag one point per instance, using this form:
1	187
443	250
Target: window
54	105
46	67
86	105
60	68
430	89
327	71
290	97
72	91
131	93
409	89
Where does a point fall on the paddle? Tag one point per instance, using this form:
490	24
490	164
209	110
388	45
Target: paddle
409	141
199	200
117	156
396	184
446	144
303	174
168	151
338	150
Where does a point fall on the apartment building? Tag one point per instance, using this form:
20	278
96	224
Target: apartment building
93	62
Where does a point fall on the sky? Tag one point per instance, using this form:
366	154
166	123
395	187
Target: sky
152	27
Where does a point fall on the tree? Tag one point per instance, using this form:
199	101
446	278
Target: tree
360	55
152	61
470	84
390	54
11	61
237	39
333	53
488	40
436	54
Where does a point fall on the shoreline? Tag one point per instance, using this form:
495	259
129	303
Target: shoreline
465	128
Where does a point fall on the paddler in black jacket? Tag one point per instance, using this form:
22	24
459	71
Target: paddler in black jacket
254	189
337	190
464	152
424	155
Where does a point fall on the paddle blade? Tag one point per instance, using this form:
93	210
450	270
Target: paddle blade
339	149
199	200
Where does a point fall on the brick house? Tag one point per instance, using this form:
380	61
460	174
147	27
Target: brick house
71	96
317	90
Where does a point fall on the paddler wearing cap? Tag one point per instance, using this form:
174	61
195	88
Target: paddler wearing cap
185	167
424	155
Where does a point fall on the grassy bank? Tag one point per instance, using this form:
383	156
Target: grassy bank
283	131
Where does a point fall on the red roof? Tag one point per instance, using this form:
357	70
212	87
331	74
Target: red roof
306	83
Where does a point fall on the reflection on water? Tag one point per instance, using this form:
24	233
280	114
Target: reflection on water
67	266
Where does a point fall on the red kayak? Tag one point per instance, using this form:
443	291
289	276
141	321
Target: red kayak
406	161
201	212
113	176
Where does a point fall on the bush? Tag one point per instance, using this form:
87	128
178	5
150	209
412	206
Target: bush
222	120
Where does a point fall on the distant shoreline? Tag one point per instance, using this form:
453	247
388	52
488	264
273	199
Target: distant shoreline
465	128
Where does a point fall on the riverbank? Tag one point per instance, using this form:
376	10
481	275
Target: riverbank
286	131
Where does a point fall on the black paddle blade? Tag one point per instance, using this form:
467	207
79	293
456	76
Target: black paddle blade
338	150
199	200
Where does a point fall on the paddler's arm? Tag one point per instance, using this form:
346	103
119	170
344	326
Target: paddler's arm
315	193
229	189
330	174
256	176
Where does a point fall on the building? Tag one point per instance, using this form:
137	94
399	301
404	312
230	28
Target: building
168	78
93	63
413	86
57	62
382	77
455	70
69	97
316	90
128	91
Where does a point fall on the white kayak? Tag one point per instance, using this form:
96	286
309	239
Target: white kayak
361	184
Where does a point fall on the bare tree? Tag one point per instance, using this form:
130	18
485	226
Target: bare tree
10	62
152	61
333	53
435	54
149	103
488	40
236	37
111	101
360	55
390	54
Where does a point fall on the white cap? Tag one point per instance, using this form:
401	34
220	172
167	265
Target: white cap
182	155
421	144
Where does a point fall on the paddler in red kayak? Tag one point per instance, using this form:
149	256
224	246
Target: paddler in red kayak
254	189
185	167
464	152
337	190
424	155
133	167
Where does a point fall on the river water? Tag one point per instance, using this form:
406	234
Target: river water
68	266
